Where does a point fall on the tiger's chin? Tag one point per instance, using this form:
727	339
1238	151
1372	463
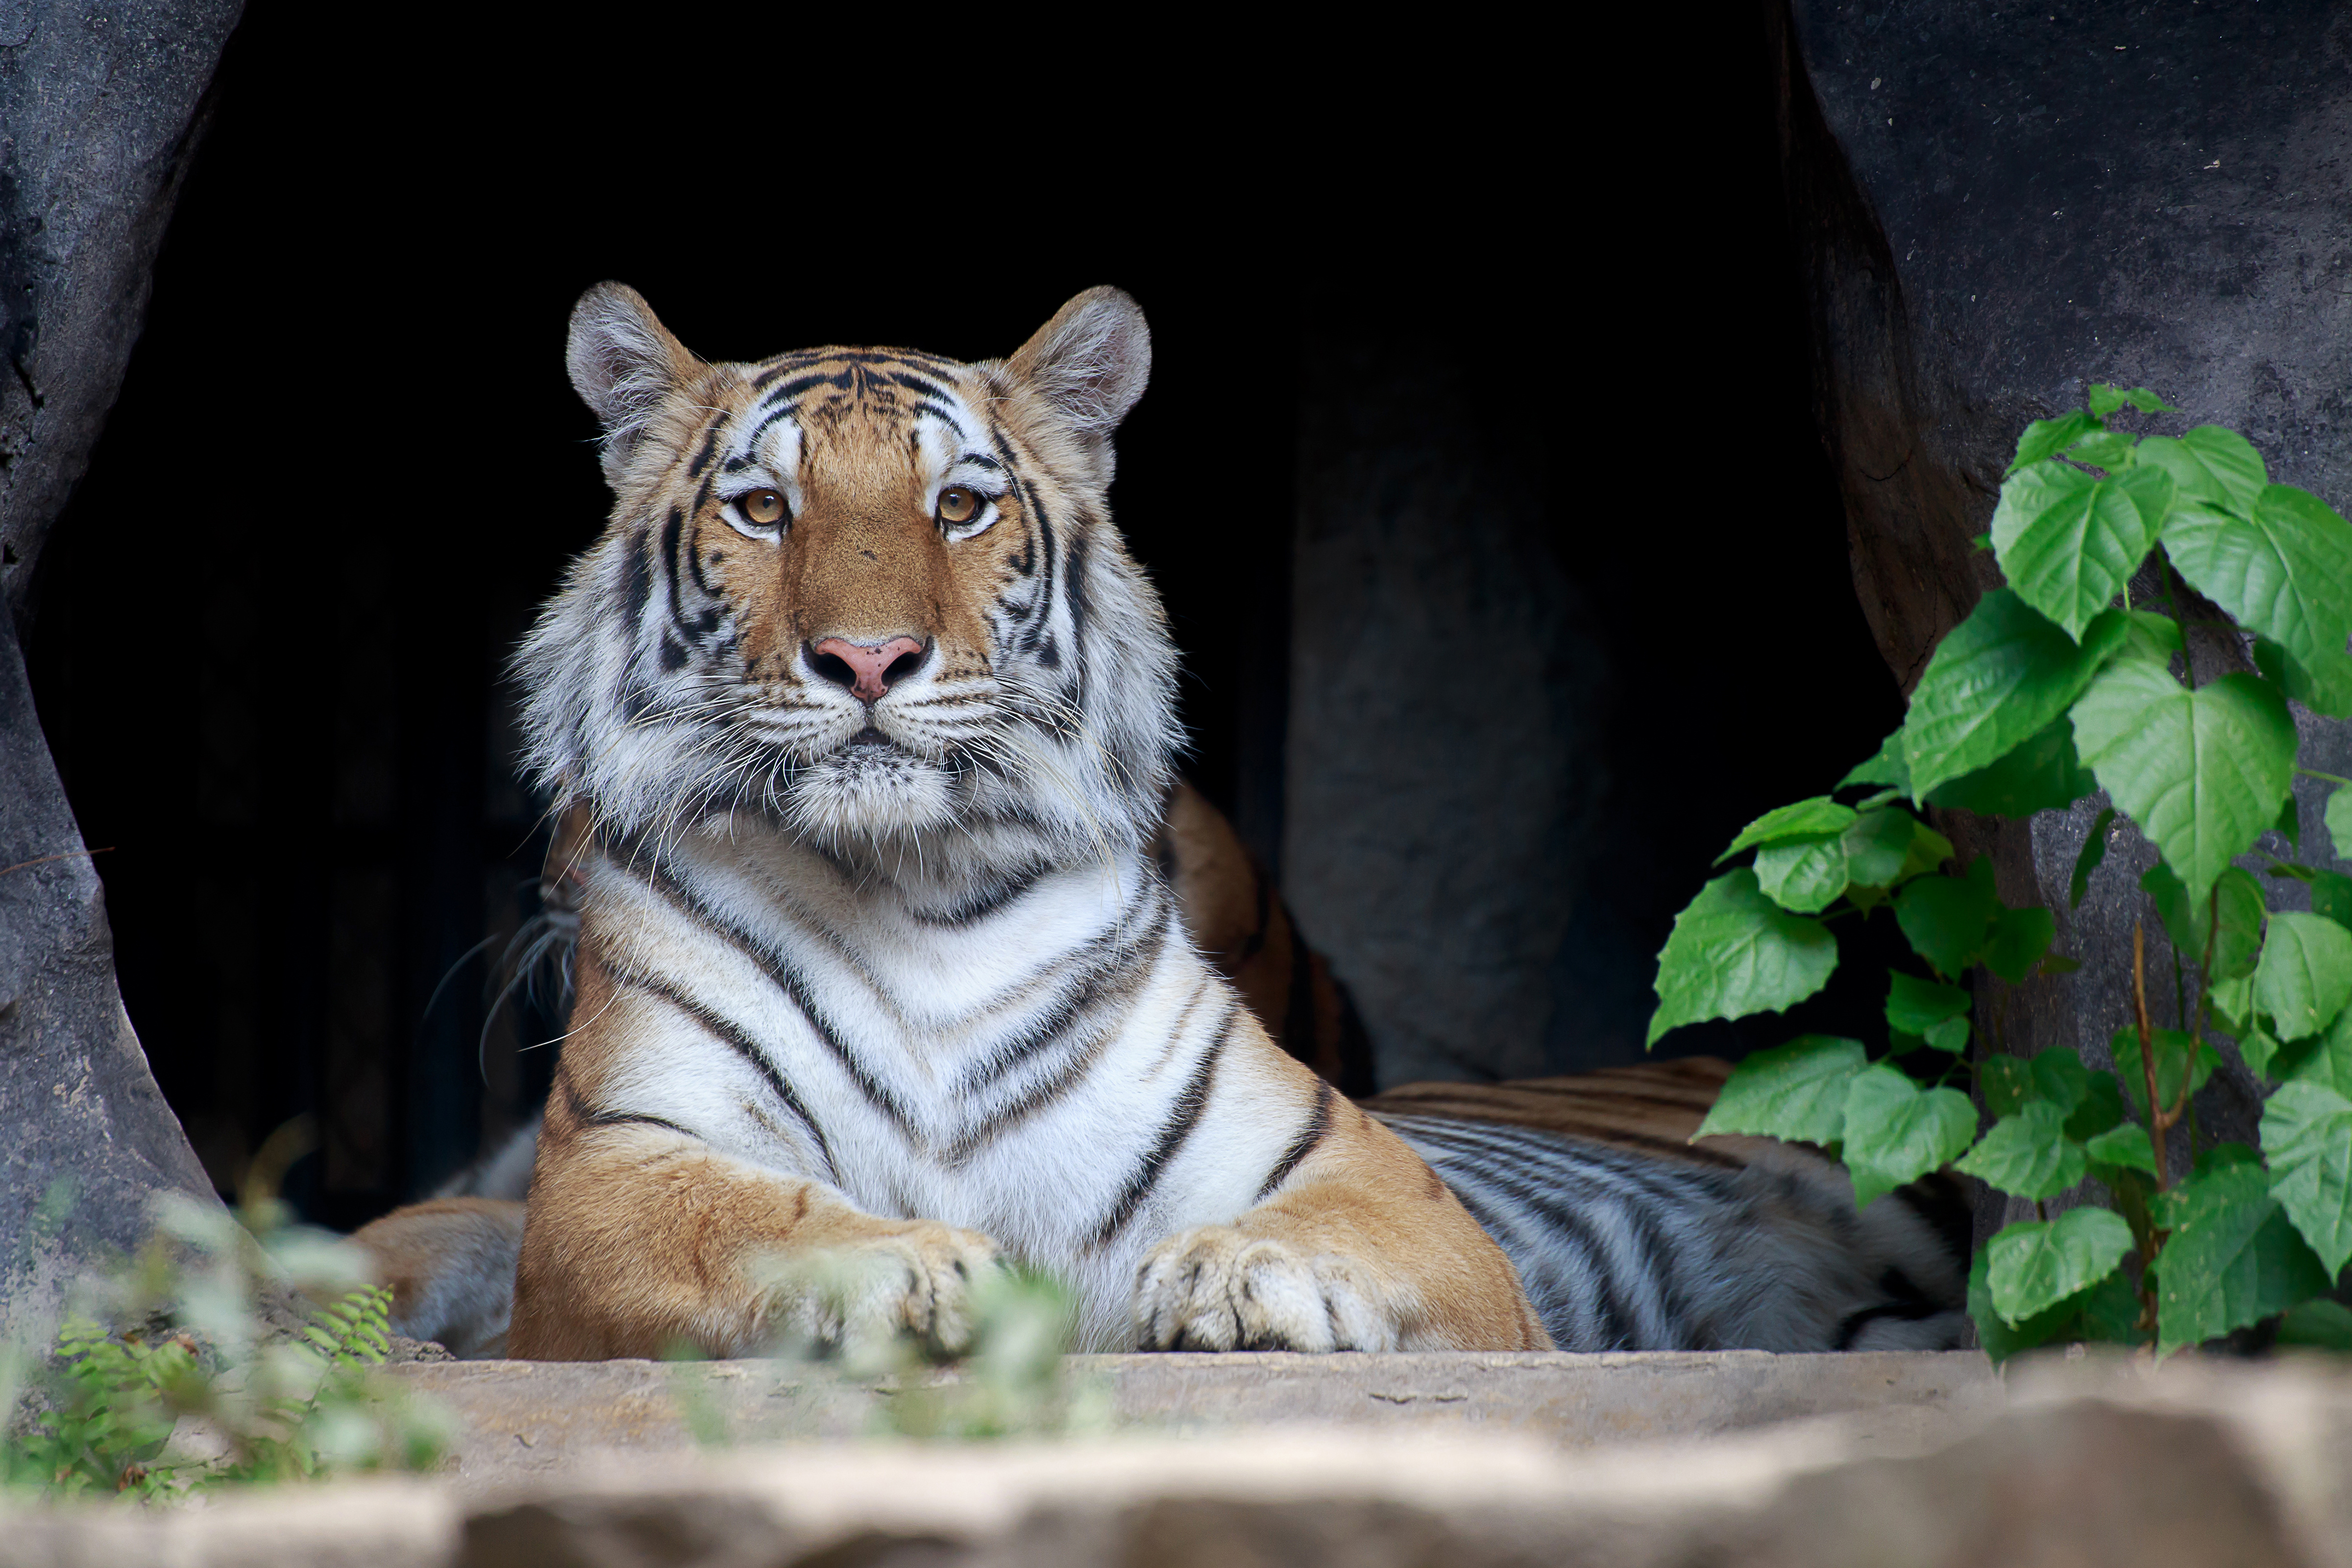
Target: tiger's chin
872	792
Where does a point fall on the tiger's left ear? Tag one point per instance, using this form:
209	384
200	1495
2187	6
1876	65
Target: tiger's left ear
623	364
1089	362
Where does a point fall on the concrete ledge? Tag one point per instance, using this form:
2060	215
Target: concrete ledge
524	1418
2186	1468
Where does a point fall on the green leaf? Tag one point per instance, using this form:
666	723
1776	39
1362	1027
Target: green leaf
1896	1132
1876	846
2234	1257
2202	772
2153	637
2184	918
2289	825
2179	1057
2233	1002
1805	875
2027	1153
1950	1035
2106	400
2111	450
2338	818
2259	1050
2035	1265
1795	1091
2307	1138
2059	1077
1806	819
1914	1005
1928	851
2326	1061
2068	542
2320	1324
2020	938
2000	1339
2281	570
2109	1311
2210	465
2045	437
2095	849
1734	952
2304	976
2237	898
2124	1148
2041	774
2007	1083
2331	895
1995	680
1948	918
1885	768
2324	685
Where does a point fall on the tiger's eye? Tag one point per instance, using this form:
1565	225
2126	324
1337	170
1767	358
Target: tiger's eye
957	505
765	507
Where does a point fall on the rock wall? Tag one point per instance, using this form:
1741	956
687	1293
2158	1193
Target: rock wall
1997	204
100	107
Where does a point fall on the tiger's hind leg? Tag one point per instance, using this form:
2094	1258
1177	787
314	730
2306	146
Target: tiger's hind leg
451	1265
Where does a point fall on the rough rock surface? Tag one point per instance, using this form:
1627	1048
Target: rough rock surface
100	107
2104	1463
1438	865
1997	204
528	1419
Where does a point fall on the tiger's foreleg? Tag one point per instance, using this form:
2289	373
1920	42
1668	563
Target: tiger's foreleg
1360	1247
640	1239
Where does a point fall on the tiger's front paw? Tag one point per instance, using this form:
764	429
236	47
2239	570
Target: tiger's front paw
1218	1289
917	1281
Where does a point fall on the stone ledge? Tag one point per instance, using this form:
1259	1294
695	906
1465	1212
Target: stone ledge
523	1418
2195	1465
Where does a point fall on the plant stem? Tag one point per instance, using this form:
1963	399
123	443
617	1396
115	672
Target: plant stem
2315	774
2155	1120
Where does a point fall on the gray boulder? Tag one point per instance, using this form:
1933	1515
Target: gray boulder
100	108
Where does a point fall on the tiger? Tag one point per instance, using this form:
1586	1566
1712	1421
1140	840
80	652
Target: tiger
887	945
872	715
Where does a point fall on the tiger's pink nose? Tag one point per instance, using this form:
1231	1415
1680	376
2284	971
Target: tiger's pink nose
866	672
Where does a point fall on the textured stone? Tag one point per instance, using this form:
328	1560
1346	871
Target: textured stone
100	110
100	107
525	1418
1435	865
2188	1467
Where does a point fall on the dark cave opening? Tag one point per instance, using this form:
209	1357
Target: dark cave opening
268	639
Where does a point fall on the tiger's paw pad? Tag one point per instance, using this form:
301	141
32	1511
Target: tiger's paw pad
916	1283
1218	1289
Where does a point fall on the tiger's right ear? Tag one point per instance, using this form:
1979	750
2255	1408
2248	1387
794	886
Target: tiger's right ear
623	363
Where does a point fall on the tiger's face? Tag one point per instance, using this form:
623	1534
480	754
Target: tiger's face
867	594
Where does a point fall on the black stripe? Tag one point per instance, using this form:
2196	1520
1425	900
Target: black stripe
1189	1104
727	1032
1088	971
709	449
1318	1122
785	978
637	584
988	900
589	1118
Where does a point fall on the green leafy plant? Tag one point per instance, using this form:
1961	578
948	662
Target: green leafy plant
2057	685
197	1387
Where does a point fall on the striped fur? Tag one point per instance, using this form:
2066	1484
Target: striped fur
886	978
